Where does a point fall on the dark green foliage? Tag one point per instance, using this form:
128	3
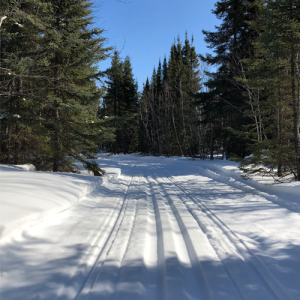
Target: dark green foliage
252	102
167	115
224	102
273	78
120	102
48	78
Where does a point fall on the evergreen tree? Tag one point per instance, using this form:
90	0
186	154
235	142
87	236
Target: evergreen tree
159	78
114	95
225	101
165	71
120	102
145	133
72	100
55	78
130	100
20	88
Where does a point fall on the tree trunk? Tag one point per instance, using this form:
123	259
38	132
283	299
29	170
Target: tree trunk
183	123
211	141
296	108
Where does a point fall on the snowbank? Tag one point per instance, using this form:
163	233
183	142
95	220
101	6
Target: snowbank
28	198
284	194
265	183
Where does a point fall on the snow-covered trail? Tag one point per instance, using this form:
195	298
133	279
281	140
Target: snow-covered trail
161	230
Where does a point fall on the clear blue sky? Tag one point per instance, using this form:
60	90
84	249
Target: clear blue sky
145	29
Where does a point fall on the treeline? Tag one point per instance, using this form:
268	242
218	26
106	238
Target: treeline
49	97
167	114
163	119
250	103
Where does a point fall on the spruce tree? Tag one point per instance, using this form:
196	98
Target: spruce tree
120	102
23	137
55	78
130	102
225	101
113	97
71	109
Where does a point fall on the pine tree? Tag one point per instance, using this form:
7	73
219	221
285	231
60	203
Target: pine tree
225	101
120	102
56	75
21	59
114	95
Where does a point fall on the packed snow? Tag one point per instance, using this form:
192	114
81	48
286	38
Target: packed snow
151	228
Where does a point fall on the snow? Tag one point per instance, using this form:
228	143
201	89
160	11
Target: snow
151	228
26	167
27	198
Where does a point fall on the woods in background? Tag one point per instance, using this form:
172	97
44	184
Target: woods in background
251	100
248	104
167	117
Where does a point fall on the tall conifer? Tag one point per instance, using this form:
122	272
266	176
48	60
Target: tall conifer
56	83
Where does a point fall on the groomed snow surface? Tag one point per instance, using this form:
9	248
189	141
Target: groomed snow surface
152	228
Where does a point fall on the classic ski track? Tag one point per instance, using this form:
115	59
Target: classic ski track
204	230
161	209
96	268
117	278
160	246
151	248
257	266
190	241
97	238
139	252
235	183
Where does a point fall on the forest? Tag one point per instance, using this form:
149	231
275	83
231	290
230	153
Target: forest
241	101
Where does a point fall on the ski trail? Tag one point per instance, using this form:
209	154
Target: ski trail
103	277
151	272
138	272
98	238
158	233
177	278
59	252
205	263
266	285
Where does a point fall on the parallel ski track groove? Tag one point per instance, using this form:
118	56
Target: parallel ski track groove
226	270
150	244
117	221
235	240
190	247
160	244
204	289
130	234
95	240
